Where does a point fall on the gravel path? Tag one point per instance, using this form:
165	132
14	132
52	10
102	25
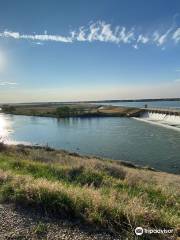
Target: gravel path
17	223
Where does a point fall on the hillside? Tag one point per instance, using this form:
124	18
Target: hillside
109	195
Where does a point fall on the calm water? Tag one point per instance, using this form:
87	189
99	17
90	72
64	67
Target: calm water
117	138
154	104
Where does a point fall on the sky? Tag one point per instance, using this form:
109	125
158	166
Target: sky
66	50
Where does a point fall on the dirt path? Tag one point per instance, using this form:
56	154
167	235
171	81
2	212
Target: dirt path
17	223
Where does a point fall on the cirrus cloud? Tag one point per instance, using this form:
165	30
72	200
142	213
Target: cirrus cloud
101	31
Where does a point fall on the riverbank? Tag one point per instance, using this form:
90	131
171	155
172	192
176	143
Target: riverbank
70	110
102	194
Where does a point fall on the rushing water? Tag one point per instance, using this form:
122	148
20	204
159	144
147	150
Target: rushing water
116	138
153	104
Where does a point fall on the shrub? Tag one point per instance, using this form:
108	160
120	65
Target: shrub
64	111
8	108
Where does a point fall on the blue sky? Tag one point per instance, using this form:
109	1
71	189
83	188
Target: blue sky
66	50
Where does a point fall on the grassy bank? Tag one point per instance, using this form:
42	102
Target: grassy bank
101	193
70	110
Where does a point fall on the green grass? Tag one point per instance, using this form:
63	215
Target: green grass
98	192
40	229
55	172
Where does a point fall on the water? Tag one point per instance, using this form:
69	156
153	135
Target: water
153	104
116	138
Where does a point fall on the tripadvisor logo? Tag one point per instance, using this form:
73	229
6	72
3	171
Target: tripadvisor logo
139	231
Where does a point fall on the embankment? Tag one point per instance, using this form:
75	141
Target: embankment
103	194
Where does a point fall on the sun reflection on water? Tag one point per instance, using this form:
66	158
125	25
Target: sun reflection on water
6	130
5	127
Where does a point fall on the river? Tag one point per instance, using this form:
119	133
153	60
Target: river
117	138
150	104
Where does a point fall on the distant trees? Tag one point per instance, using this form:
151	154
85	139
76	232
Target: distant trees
8	108
66	111
63	111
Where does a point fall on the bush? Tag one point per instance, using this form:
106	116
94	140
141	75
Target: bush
63	111
66	111
8	108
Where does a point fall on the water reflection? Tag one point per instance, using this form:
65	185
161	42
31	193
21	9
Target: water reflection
4	127
75	121
64	121
7	130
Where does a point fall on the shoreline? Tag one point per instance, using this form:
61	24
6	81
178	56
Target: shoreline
128	163
124	163
72	153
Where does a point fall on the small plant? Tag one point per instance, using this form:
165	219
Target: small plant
40	228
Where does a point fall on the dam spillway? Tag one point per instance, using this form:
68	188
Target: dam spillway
164	117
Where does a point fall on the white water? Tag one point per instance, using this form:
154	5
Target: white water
166	120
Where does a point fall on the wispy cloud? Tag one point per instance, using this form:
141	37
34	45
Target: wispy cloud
176	36
7	83
177	80
101	31
38	43
160	39
35	37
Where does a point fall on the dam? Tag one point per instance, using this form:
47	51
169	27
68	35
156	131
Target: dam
161	116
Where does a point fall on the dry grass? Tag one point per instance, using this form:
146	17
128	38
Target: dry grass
99	192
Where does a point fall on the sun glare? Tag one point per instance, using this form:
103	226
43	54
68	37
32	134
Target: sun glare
2	61
3	127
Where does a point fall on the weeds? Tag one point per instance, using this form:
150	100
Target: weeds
40	228
98	192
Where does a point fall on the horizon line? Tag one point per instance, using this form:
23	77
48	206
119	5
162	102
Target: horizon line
99	101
